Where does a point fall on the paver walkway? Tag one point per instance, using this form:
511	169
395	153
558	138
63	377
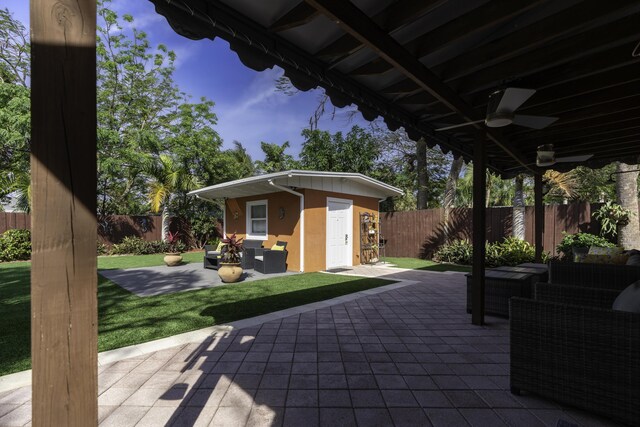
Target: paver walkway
408	356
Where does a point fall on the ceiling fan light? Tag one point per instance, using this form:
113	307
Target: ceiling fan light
499	119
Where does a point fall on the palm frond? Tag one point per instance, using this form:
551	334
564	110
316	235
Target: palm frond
565	183
158	193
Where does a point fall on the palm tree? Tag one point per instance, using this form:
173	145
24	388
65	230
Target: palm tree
18	184
561	185
627	195
168	179
518	207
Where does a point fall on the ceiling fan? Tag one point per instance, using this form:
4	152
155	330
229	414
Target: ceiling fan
500	111
546	156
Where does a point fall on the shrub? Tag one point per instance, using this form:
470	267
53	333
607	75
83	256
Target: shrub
511	251
15	245
514	251
101	248
580	240
138	246
457	252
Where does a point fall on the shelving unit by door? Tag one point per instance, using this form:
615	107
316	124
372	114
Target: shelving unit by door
369	238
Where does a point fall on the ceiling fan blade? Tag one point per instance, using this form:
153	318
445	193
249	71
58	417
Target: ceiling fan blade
574	159
513	98
534	122
460	125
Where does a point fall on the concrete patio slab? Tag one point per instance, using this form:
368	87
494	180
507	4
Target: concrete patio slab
160	280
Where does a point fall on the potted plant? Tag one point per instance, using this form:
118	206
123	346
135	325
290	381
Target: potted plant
230	270
172	256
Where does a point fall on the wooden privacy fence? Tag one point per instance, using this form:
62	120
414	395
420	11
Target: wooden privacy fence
420	233
111	229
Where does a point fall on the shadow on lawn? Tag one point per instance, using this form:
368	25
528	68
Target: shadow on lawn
256	306
445	267
15	319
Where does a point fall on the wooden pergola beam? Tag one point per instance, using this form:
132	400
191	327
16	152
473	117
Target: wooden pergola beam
360	26
64	229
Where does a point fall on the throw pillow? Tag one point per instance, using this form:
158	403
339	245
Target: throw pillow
219	248
634	260
277	247
629	299
596	259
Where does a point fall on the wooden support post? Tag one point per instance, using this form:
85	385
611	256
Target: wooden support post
538	229
479	229
64	228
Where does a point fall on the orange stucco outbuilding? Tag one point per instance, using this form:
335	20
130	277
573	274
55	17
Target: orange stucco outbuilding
316	213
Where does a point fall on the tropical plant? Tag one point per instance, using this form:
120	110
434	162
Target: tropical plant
173	239
611	216
580	240
168	179
231	250
562	185
17	185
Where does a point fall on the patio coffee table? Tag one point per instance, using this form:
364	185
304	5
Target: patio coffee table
500	286
535	265
541	273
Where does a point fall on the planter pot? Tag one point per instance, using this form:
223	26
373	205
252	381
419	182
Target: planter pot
230	273
172	259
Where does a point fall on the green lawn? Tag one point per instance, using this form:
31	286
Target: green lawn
125	319
424	264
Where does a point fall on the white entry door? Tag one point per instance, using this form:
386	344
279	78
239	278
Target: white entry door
339	232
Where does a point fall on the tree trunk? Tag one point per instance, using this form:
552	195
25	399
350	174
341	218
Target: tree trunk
452	183
518	208
165	224
421	168
450	193
627	195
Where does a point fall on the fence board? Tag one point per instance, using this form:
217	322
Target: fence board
420	233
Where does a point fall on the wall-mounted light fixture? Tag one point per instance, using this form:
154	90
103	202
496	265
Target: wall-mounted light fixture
281	212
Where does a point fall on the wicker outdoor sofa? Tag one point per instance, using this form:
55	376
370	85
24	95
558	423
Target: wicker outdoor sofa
607	276
567	344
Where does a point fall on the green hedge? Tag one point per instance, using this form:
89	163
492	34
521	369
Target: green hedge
138	246
15	245
511	251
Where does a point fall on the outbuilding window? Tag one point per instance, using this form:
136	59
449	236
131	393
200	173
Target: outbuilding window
257	223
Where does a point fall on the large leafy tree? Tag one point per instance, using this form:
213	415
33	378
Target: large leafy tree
15	117
357	151
275	158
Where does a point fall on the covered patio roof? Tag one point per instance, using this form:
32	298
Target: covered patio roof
339	182
429	64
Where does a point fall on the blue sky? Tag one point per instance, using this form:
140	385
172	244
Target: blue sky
248	107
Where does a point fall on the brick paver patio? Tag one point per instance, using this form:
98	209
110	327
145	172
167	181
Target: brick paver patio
408	356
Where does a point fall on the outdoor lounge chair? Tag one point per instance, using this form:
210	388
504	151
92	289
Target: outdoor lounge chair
269	261
249	252
211	257
568	345
609	276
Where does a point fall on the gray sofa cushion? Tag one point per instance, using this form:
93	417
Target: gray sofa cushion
629	299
